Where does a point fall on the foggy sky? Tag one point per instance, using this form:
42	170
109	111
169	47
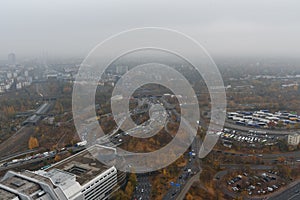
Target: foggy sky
223	27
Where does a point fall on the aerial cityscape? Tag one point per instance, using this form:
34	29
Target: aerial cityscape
142	108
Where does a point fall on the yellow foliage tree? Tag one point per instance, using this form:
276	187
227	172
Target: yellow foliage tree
57	158
9	110
129	189
120	195
189	196
33	143
132	178
164	172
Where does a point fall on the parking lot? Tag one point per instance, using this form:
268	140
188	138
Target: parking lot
263	118
250	138
256	184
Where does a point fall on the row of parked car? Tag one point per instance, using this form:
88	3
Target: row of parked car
229	136
262	118
21	160
241	138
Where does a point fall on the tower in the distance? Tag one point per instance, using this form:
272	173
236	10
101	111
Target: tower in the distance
11	59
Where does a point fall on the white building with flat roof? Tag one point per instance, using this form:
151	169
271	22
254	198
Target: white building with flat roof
79	177
294	139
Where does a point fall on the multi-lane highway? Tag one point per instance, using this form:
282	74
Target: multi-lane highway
292	193
188	175
143	188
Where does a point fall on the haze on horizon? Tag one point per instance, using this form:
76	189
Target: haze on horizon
74	27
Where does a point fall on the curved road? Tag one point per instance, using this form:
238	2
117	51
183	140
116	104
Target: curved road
187	186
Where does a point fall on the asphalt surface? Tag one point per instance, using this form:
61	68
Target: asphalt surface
231	125
187	186
38	158
295	154
220	175
143	189
292	193
188	175
24	162
10	157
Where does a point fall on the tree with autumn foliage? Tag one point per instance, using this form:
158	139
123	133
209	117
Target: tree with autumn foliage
133	179
120	195
33	143
9	110
57	158
189	196
129	189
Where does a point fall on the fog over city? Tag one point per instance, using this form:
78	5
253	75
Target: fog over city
149	99
73	27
